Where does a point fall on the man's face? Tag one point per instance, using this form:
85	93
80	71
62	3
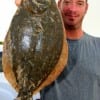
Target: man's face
73	12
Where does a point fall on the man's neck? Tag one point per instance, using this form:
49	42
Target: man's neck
74	34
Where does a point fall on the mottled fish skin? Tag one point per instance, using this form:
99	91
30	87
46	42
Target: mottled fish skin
36	38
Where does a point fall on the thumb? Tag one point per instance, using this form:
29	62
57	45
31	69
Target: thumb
18	2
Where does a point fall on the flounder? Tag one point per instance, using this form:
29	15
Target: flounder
35	49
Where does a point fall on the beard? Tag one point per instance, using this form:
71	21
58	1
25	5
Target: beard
73	26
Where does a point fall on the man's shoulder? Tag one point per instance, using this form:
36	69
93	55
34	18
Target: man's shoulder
92	42
92	38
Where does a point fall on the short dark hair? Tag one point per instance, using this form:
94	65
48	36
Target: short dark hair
60	0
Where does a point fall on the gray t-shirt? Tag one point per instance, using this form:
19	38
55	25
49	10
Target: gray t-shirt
80	79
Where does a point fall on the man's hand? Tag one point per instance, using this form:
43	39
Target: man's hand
18	2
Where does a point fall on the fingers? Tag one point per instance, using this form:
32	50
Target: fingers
18	2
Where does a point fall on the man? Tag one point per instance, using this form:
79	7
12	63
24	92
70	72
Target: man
80	79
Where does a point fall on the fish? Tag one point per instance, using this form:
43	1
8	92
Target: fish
35	50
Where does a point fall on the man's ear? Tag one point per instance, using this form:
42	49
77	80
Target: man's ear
86	8
59	1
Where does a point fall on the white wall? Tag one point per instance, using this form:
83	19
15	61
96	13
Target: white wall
91	22
7	9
